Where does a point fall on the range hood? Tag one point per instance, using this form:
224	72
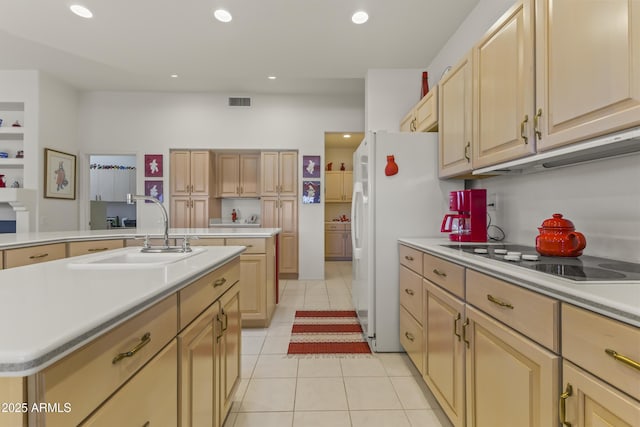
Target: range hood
612	145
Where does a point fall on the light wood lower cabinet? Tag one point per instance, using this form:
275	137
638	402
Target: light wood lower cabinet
209	370
93	246
445	350
337	241
34	254
510	380
148	399
198	372
229	341
589	401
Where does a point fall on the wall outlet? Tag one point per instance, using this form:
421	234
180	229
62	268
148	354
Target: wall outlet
492	202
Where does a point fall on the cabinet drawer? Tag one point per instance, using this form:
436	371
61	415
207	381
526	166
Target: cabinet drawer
89	375
532	314
205	241
156	241
34	254
443	273
411	292
333	226
411	258
201	293
1	260
93	246
585	338
254	246
411	339
150	398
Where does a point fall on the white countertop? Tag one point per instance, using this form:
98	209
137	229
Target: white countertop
50	309
618	300
26	239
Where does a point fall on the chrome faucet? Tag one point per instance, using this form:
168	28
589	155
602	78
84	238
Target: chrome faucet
131	199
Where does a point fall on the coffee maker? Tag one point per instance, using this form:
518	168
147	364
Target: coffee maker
469	223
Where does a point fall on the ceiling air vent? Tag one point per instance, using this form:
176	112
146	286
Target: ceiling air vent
239	102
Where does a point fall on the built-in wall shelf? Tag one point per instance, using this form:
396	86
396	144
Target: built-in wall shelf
11	131
11	163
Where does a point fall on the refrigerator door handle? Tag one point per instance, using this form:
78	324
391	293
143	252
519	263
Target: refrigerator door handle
356	220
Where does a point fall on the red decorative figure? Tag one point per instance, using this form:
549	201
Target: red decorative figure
425	83
392	167
342	166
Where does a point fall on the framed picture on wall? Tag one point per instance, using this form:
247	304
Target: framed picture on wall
59	175
311	167
153	165
154	189
310	192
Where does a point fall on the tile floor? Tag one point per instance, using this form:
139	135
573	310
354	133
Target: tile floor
378	390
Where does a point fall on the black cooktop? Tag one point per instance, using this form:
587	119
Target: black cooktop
580	269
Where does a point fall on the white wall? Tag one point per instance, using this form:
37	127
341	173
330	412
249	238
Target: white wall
153	123
602	199
58	120
390	94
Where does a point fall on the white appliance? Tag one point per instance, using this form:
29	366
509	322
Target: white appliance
384	208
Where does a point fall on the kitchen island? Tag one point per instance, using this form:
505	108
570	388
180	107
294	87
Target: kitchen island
501	343
82	335
258	264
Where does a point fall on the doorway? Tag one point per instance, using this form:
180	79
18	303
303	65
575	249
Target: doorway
339	149
111	178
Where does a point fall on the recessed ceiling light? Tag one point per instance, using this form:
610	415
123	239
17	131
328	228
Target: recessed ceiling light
81	11
346	135
222	15
174	76
272	77
360	17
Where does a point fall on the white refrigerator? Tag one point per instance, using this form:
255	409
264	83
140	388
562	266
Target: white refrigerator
410	203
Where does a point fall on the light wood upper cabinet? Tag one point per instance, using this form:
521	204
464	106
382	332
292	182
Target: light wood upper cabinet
587	69
455	120
279	174
503	89
423	117
190	173
191	181
238	175
338	186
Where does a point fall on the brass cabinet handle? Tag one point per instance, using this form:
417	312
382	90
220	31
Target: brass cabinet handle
522	132
455	327
467	148
147	424
218	336
562	405
439	273
219	282
464	332
146	339
39	256
409	336
410	292
408	257
97	249
623	359
498	302
225	325
536	122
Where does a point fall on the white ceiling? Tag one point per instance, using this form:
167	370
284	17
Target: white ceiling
310	45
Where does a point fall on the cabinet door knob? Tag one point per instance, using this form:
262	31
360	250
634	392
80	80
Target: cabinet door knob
409	336
410	292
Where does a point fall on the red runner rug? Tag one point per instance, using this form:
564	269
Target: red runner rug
327	332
